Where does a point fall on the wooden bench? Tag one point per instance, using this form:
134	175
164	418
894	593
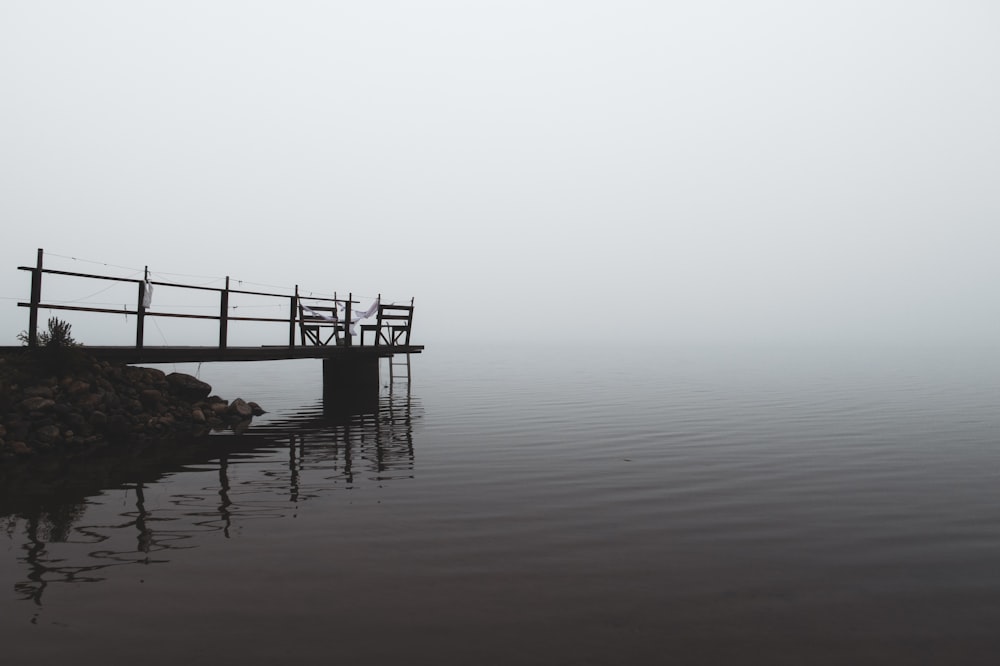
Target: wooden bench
319	324
392	327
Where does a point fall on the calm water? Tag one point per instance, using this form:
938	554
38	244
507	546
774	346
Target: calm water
600	506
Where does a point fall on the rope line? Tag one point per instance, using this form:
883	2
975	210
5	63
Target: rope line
212	279
261	284
162	337
159	274
98	292
91	261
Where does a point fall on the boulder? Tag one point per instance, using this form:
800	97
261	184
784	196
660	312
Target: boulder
37	404
38	392
188	387
241	409
47	434
151	397
88	401
77	387
118	424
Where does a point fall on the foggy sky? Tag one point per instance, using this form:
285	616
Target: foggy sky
660	171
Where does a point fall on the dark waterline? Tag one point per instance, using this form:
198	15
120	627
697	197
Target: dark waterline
599	506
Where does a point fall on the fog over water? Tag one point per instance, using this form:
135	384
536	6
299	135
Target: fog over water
713	171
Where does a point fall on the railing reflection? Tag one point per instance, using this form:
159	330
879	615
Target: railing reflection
177	494
47	531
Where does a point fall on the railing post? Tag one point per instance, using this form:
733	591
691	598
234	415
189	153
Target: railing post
291	317
140	320
347	320
224	317
36	298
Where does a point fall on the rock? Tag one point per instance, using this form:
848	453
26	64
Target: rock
88	401
155	375
188	387
20	448
47	434
77	387
240	408
160	423
37	404
151	397
256	409
198	416
118	424
98	419
152	376
38	392
17	430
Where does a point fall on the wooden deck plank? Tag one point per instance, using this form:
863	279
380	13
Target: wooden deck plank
151	354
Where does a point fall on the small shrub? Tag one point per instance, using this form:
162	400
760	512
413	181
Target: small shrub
57	336
57	351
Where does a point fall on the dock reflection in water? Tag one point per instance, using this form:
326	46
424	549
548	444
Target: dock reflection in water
76	521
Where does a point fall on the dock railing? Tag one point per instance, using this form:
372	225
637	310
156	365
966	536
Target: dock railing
143	293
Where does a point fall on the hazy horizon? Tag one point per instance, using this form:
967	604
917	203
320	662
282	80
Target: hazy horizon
725	171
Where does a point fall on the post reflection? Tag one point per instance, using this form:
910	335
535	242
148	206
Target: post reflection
50	536
177	496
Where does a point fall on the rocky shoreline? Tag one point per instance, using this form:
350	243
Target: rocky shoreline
70	402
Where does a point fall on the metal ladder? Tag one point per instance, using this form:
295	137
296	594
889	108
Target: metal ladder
399	371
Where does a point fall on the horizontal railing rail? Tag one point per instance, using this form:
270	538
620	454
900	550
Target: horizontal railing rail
141	310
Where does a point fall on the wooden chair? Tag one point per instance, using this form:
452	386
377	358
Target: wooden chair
318	325
392	327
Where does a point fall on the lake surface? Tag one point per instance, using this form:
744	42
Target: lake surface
522	506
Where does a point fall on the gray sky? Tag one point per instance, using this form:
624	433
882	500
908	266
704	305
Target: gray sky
675	171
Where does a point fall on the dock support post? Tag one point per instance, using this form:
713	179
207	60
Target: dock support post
36	298
351	384
347	320
224	316
140	311
291	317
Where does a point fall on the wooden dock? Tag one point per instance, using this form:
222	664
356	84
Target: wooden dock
317	327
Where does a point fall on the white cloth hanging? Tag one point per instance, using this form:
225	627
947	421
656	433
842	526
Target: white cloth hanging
318	315
358	316
147	293
367	313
